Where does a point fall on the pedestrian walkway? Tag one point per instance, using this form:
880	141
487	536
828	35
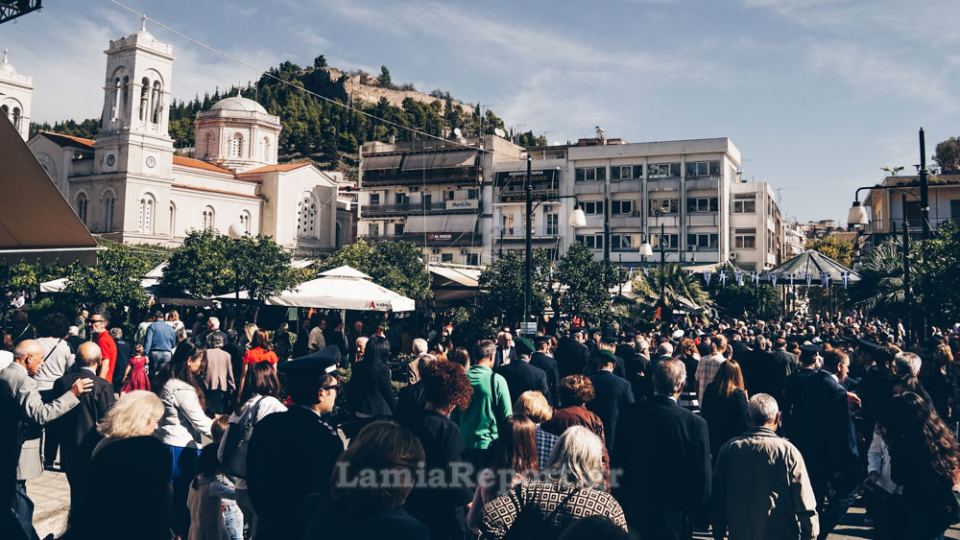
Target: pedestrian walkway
51	495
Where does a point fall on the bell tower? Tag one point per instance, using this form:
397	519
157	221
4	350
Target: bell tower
134	136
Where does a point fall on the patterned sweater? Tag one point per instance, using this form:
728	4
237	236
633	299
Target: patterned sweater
543	510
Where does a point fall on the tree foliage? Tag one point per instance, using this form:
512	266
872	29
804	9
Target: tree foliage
397	266
670	287
835	247
503	284
584	284
113	283
209	264
747	300
947	156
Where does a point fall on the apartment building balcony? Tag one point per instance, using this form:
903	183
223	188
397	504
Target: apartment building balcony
701	183
466	206
441	239
626	220
703	219
666	221
663	184
517	234
513	194
397	177
588	188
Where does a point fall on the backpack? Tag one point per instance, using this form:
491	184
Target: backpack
236	442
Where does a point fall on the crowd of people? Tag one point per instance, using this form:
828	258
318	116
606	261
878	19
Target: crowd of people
736	429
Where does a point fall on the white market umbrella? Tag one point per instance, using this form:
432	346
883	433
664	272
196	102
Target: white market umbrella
339	288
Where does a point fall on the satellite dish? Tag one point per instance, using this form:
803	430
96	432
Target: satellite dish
500	133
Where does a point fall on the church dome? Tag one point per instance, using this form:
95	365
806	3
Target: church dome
238	103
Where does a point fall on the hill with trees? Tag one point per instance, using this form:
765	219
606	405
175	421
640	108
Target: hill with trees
323	131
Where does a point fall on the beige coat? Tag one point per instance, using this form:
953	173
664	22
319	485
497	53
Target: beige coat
762	489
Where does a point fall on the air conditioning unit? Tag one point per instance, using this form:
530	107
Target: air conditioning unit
636	213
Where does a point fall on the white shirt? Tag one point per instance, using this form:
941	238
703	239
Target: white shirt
315	340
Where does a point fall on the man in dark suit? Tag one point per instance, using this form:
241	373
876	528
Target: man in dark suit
821	427
124	352
572	354
21	412
541	359
521	376
771	370
663	452
74	427
612	394
603	352
292	454
506	352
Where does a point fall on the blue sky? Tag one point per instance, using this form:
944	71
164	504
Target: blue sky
817	94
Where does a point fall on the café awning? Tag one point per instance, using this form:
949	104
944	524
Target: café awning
37	223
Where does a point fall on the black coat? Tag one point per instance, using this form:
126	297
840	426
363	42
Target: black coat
612	394
498	359
549	366
410	403
820	426
132	478
571	356
521	377
664	453
769	373
369	390
639	375
726	416
291	456
124	352
75	426
440	509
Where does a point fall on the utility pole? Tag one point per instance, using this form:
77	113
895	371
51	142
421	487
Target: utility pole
528	283
907	292
924	203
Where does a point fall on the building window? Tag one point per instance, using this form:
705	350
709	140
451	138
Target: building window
626	172
664	206
398	229
207	145
955	210
593	208
553	224
450	195
125	100
209	218
703	168
307	217
506	225
144	98
591	241
745	238
471	194
17	118
266	148
156	100
245	221
82	204
426	200
145	214
472	259
374	199
670	241
236	146
621	242
745	204
590	174
373	229
663	170
703	241
446	257
109	205
173	220
702	204
621	207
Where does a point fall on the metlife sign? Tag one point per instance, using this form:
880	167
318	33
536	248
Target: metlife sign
467	204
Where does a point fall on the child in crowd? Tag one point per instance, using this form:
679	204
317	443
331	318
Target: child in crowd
135	377
214	514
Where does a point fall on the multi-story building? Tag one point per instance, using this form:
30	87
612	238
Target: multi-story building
434	194
887	208
690	191
793	240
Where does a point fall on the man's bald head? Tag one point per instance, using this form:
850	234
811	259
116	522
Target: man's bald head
89	354
29	354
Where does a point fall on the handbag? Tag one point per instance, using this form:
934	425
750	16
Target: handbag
236	442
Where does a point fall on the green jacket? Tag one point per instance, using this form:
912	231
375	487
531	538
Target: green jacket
478	423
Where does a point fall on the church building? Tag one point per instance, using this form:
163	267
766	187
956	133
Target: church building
131	186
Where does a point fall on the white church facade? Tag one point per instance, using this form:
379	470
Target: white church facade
129	185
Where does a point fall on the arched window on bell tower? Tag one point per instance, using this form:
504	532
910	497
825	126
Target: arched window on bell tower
156	100
144	98
125	97
236	146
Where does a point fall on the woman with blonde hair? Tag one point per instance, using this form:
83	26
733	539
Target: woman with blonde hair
533	405
544	508
139	462
516	457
